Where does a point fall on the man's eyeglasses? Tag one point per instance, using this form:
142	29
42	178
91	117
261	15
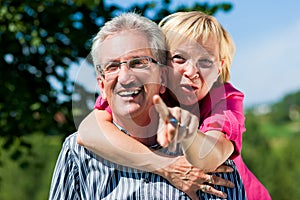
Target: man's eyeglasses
135	64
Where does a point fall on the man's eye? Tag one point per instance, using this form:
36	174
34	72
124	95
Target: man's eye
110	67
139	63
205	63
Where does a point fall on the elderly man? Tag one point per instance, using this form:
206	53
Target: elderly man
127	52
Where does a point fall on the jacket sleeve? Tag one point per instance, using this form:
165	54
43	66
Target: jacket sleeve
227	116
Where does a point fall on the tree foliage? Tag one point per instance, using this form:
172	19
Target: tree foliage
40	40
270	147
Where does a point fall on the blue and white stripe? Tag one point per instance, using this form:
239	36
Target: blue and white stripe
80	174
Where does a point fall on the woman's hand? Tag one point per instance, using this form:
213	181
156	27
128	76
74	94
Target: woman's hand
190	179
175	124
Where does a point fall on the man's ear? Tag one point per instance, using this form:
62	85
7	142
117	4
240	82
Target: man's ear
164	79
100	81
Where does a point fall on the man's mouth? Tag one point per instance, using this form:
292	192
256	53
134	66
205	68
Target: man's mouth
130	93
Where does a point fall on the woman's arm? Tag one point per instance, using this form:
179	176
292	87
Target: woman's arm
98	134
207	151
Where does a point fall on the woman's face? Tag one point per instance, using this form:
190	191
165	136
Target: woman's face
194	67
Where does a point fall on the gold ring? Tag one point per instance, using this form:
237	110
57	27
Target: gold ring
203	188
188	171
183	127
210	179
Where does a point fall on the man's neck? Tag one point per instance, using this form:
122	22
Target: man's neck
144	129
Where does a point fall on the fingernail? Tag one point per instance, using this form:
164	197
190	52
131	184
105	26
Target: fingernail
230	169
162	143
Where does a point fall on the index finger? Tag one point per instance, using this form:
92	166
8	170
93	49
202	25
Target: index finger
161	107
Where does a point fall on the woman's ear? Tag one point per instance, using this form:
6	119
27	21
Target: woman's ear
221	66
100	81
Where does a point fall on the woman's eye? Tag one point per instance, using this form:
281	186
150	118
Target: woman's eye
205	63
178	59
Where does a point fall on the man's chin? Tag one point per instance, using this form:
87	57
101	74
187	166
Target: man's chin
128	111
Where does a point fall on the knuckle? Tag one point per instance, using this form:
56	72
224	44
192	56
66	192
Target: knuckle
209	188
177	110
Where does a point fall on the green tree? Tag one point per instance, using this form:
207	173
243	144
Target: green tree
287	109
40	40
271	147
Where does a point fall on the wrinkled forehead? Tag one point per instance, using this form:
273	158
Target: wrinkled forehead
123	56
122	44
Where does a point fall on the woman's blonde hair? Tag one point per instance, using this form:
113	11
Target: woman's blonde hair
198	25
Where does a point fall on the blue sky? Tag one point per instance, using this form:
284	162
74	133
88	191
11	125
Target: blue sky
267	36
267	61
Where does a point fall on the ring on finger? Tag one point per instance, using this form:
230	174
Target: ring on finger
174	122
210	179
177	123
204	188
188	171
183	127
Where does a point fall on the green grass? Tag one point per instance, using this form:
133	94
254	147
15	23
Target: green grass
29	176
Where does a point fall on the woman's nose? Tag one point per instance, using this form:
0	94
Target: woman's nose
191	71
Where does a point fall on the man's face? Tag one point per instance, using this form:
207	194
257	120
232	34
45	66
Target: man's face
129	93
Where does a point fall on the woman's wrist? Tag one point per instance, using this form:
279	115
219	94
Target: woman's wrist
165	169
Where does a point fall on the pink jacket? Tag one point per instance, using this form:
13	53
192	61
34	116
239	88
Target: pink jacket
222	110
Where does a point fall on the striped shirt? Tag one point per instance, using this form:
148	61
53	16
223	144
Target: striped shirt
81	174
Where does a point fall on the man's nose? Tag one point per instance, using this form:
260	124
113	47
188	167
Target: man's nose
125	75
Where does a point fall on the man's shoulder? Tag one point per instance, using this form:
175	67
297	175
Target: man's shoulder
71	140
70	144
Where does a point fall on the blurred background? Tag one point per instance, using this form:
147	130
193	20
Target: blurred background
48	84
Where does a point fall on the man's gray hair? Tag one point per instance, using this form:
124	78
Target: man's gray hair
132	21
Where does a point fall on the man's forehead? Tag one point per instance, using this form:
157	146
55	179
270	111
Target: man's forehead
126	55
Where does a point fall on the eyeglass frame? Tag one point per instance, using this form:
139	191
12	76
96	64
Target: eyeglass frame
150	60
